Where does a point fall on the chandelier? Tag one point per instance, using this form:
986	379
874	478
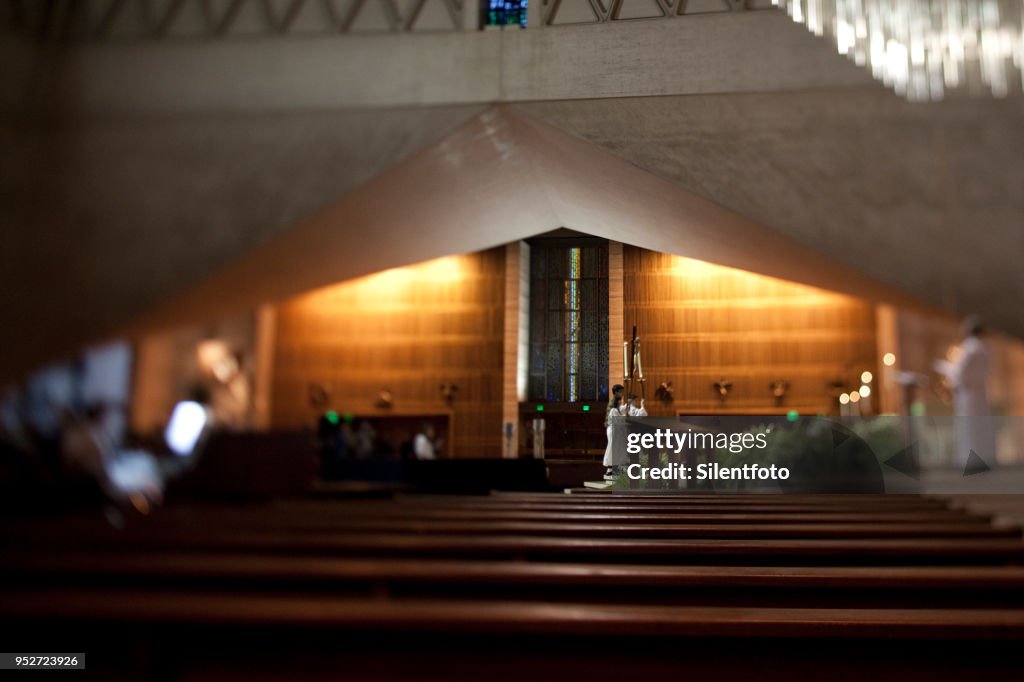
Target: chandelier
924	49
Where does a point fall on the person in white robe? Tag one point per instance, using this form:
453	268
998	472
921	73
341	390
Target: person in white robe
615	457
425	444
967	373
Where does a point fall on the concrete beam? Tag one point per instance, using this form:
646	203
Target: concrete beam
715	53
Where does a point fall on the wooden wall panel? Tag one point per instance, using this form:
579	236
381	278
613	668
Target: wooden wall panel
616	334
516	342
925	338
409	330
700	323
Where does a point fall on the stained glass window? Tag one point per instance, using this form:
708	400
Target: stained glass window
568	320
504	12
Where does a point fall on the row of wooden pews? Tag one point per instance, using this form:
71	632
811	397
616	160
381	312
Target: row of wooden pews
515	585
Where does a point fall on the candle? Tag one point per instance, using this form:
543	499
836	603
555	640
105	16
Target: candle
625	360
639	366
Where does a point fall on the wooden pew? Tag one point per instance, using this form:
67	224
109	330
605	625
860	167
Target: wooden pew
673	498
509	618
836	587
516	573
381	570
413	526
418	519
800	551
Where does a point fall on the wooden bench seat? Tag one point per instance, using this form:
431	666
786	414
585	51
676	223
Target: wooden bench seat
657	516
344	527
669	499
70	565
528	577
203	521
722	496
543	548
636	530
691	530
486	510
508	618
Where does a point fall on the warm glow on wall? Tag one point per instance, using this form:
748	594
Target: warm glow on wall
703	323
447	269
429	336
439	271
767	290
384	282
398	286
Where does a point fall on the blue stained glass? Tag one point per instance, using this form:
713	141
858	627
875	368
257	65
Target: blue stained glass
505	13
569	323
572	326
574	263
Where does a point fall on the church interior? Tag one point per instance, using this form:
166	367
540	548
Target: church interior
318	314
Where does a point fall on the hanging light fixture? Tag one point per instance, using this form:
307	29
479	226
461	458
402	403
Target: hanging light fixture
923	49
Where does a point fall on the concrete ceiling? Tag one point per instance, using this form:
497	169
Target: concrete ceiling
131	190
107	217
925	197
500	178
129	213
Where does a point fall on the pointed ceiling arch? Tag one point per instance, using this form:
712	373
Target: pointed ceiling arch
499	178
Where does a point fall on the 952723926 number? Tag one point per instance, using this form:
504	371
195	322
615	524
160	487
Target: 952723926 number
16	661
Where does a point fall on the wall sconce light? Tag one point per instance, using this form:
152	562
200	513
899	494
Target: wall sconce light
385	399
836	387
664	394
779	388
319	396
723	387
448	393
